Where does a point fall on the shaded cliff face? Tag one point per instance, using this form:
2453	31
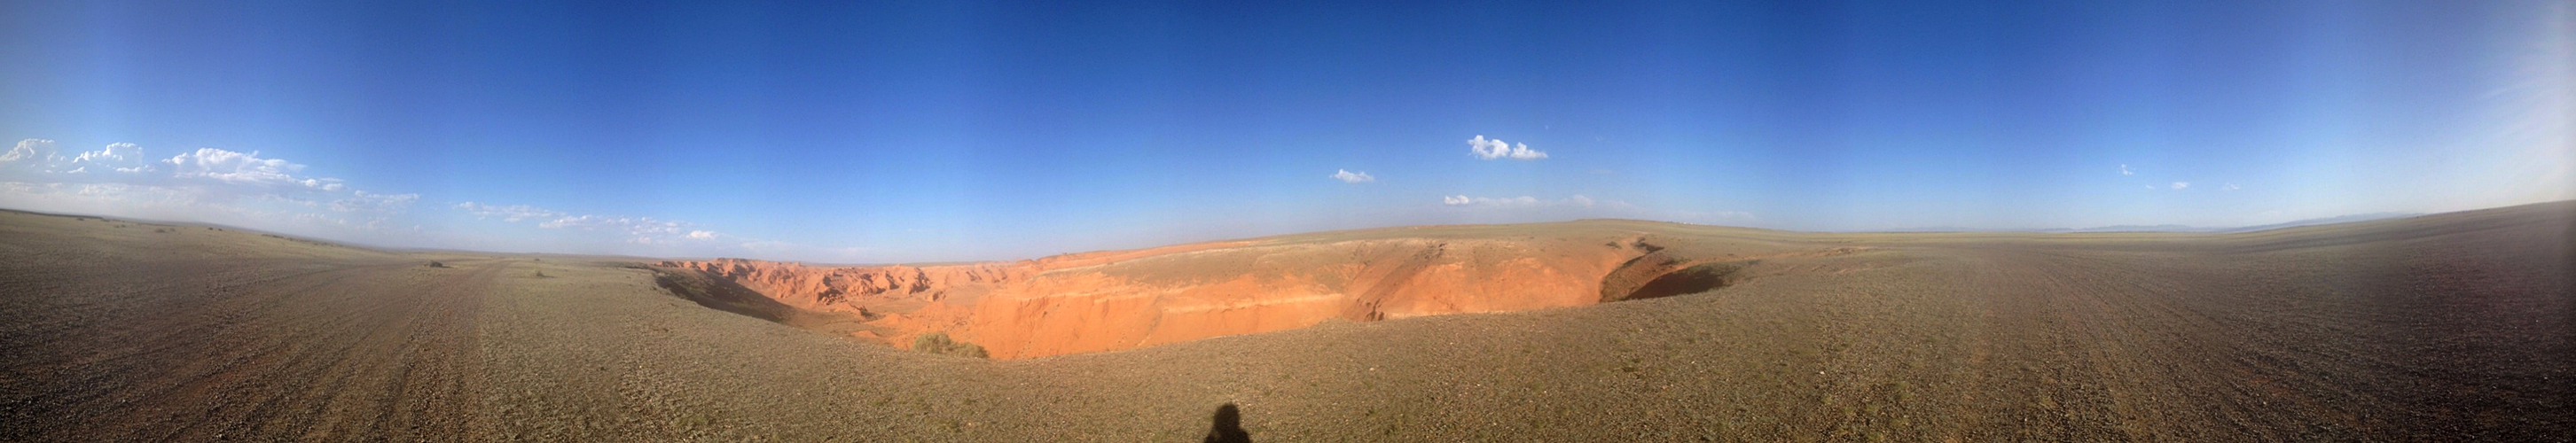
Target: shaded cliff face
1113	300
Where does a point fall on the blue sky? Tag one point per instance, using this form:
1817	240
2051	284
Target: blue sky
921	131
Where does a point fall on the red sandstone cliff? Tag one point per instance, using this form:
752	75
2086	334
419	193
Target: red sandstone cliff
854	289
1114	300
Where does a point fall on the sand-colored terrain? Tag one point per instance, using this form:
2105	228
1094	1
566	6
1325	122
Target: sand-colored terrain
2444	327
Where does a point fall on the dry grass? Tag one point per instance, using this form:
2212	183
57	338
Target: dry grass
938	343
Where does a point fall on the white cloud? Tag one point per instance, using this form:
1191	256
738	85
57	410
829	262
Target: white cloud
1496	148
591	233
31	155
512	213
202	179
234	188
37	160
210	204
244	169
122	158
631	225
1352	177
639	230
632	230
1578	200
326	184
2124	170
2232	187
2180	185
233	167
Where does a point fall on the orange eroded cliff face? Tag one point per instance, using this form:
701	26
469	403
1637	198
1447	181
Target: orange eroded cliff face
1146	301
860	289
1113	300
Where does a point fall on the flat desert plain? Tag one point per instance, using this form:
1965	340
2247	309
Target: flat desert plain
2451	326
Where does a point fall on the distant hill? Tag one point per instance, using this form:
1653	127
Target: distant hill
2183	228
2327	221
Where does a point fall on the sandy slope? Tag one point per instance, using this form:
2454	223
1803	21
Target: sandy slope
2452	326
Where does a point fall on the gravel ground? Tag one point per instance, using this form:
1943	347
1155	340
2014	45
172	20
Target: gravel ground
2446	327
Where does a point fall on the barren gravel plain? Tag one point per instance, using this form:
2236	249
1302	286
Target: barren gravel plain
2446	327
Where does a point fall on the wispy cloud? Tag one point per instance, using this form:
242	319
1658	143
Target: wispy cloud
363	201
1517	209
640	226
206	184
122	158
2124	170
246	169
30	155
636	230
2535	117
1578	200
2180	185
2232	187
1490	149
209	170
250	190
639	230
664	237
511	213
1352	177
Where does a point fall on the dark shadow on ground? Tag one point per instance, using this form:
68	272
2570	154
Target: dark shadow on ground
1692	280
720	294
1228	427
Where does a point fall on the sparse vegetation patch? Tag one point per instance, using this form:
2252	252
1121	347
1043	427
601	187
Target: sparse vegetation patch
939	343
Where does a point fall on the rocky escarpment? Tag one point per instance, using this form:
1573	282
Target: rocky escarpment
1114	300
1247	289
856	288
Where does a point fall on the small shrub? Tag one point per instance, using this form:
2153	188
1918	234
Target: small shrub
938	343
541	273
437	265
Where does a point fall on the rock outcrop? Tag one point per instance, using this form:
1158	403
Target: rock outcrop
1247	289
1113	300
857	288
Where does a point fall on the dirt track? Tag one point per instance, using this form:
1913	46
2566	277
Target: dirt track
248	349
2451	327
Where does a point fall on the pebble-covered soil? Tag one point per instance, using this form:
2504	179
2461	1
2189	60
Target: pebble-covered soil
2444	327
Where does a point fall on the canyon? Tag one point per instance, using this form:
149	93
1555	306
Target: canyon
1112	300
2450	326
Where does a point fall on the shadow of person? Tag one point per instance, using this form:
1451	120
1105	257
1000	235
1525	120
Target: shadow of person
1229	426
